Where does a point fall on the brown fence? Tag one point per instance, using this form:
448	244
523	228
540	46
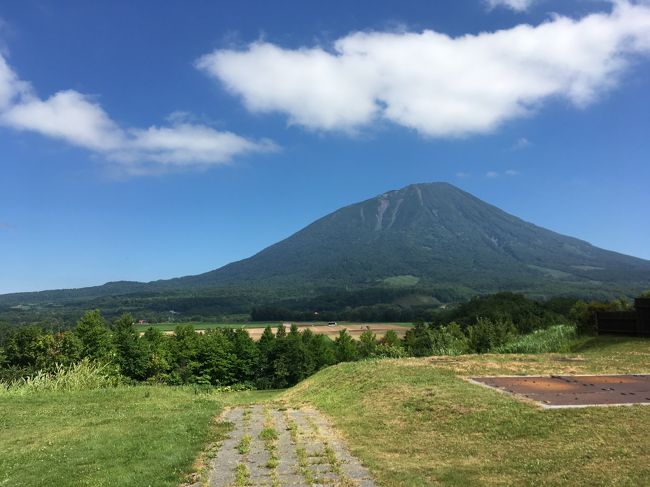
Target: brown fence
632	323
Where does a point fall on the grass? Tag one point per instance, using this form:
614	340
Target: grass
417	422
82	376
558	338
123	436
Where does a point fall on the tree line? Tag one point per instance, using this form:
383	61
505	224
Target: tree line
281	357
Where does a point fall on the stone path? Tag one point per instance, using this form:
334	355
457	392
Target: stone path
292	447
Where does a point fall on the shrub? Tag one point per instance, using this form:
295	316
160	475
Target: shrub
448	340
487	335
557	338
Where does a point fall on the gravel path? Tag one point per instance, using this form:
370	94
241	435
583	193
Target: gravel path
291	447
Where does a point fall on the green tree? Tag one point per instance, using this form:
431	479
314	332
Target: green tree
184	349
346	349
71	348
216	361
418	341
246	355
158	354
95	337
367	344
25	347
131	351
321	350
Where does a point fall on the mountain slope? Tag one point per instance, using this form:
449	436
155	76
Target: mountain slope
424	234
435	232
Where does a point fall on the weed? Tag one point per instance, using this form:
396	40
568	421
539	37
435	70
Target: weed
244	444
242	475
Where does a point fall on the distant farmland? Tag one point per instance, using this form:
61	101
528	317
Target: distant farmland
255	330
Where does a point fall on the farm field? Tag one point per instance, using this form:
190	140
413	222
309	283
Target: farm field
255	330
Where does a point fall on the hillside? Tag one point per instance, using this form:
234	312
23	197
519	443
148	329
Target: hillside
423	235
418	422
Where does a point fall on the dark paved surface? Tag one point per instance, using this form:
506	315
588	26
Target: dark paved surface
577	390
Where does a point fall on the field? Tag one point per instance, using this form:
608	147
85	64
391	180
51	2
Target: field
256	329
412	422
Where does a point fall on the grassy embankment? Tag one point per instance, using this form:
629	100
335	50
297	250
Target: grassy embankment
416	422
413	422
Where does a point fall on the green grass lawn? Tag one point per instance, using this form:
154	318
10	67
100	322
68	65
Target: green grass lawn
128	436
416	422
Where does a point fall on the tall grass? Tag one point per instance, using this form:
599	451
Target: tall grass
558	338
81	376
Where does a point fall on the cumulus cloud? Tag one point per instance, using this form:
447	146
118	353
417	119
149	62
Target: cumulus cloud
516	5
77	119
438	85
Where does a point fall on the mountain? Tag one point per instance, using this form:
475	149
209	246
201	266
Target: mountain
431	235
428	233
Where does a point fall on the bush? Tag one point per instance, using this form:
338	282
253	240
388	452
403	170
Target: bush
448	340
557	338
487	335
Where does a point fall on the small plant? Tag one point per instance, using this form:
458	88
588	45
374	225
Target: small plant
303	462
268	434
332	460
247	416
242	475
244	445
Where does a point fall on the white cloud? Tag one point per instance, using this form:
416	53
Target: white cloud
186	144
438	85
521	143
516	5
77	119
67	115
491	174
463	175
10	85
512	172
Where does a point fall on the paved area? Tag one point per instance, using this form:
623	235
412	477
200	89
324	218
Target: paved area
575	391
292	447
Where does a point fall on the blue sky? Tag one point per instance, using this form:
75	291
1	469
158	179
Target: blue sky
147	140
